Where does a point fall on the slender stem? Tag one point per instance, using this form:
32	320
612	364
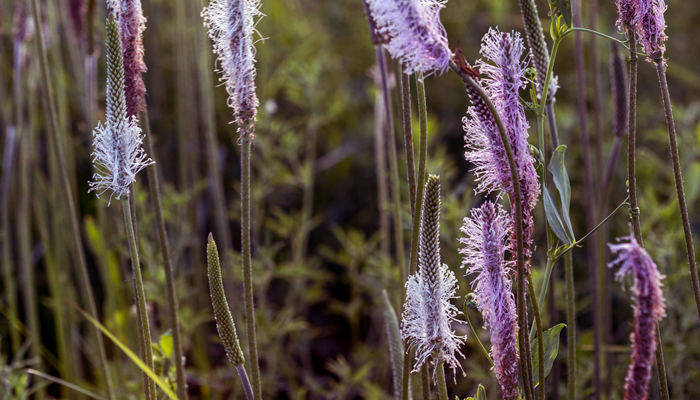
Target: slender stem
245	382
405	89
516	205
661	366
422	156
441	382
247	262
78	249
476	337
590	197
425	380
570	326
380	171
162	236
540	337
678	177
393	166
140	296
553	133
406	374
614	39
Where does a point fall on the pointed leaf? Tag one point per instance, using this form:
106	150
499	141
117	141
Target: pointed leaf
564	8
393	335
551	348
557	166
553	218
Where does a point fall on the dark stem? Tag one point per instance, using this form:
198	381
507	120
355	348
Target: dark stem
69	201
516	208
163	243
425	380
405	89
590	197
678	177
540	339
441	382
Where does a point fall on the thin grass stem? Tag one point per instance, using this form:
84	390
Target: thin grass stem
570	326
441	382
540	339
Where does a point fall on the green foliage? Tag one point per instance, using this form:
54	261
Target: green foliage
551	349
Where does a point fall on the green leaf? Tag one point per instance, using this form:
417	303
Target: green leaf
391	323
557	166
166	344
480	394
132	356
551	348
553	218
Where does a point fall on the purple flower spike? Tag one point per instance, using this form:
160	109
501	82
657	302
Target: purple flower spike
649	309
484	255
503	77
231	25
651	27
414	33
132	23
625	12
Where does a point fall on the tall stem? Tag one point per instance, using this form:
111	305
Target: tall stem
380	171
247	263
425	382
418	206
163	243
516	206
540	339
632	179
68	196
590	197
140	297
678	177
405	89
393	165
570	326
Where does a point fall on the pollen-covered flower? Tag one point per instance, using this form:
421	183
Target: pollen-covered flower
413	32
117	153
132	23
651	27
649	309
428	312
502	74
231	24
484	256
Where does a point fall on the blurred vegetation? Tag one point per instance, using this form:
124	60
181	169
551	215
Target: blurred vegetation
318	266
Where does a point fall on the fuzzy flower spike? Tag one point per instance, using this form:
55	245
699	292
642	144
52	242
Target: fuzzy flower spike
503	75
117	153
231	25
483	255
649	309
131	26
413	32
651	27
428	312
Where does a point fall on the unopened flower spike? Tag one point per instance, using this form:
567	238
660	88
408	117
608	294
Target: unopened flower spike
231	25
117	153
502	75
413	33
428	313
132	23
649	309
483	255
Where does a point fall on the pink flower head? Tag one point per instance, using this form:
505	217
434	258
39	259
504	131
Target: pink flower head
414	33
625	12
649	309
132	23
484	255
651	27
231	25
503	75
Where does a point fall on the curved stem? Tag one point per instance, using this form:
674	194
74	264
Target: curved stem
140	295
476	337
516	206
247	263
678	177
69	201
245	382
163	243
614	39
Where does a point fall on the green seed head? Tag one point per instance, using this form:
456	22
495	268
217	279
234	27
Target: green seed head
224	321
